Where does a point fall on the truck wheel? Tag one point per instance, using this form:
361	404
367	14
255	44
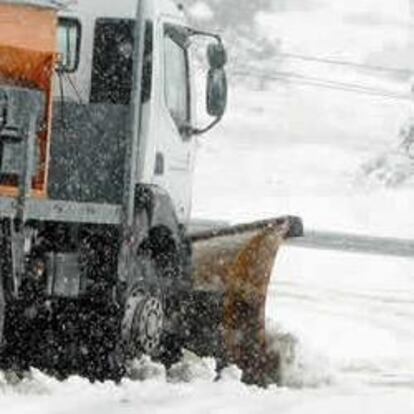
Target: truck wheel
143	321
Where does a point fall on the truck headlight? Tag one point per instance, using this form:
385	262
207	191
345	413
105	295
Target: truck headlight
39	270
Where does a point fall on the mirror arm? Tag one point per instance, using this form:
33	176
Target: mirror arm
196	32
201	131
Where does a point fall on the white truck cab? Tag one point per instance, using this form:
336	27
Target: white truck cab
96	39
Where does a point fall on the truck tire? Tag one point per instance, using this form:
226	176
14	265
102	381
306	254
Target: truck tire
148	299
143	319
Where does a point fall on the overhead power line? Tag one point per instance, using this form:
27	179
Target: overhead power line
339	62
292	77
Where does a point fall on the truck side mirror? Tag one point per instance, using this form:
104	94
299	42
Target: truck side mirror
216	55
69	37
216	87
216	92
216	80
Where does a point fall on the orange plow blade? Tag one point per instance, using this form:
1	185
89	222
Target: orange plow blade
237	263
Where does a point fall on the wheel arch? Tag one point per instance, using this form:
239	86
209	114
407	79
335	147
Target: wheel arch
158	228
160	211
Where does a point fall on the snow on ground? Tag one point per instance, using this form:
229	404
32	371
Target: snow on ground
155	396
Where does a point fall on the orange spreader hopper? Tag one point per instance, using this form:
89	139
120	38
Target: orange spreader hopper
28	55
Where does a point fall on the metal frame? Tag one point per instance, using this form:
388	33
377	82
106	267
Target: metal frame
203	231
25	180
62	211
134	130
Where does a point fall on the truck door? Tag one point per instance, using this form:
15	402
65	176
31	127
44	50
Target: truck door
175	150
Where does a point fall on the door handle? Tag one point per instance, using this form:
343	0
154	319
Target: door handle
159	164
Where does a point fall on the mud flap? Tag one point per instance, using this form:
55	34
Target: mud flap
237	263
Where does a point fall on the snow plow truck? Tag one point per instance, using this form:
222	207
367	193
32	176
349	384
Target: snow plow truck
99	263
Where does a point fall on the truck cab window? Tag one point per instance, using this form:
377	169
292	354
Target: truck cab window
113	61
176	71
69	32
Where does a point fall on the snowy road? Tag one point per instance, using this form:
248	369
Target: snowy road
355	312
